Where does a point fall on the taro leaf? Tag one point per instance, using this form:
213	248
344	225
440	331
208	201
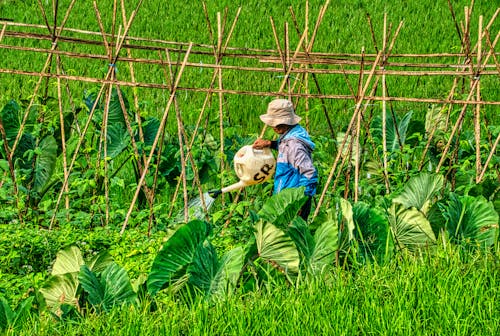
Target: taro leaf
216	278
374	230
26	144
410	228
60	289
150	129
326	240
435	119
100	262
302	237
115	113
6	314
276	248
45	163
111	289
10	119
9	318
392	131
117	138
91	285
283	207
347	225
68	260
354	150
420	191
471	219
177	253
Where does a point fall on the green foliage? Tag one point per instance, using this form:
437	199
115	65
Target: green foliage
176	255
63	287
471	220
276	248
283	207
420	192
409	227
107	289
13	319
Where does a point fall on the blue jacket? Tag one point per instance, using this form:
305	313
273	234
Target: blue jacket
294	167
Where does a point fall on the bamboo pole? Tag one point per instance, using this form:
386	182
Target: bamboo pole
339	152
108	80
474	83
155	142
384	108
63	134
477	114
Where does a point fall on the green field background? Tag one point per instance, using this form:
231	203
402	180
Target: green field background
428	28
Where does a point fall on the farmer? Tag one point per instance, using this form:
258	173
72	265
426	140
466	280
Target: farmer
294	166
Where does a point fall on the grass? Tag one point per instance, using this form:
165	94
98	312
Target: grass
440	294
428	28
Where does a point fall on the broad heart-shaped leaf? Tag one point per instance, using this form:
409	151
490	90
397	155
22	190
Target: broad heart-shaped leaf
177	253
302	237
117	139
10	318
112	288
60	289
471	219
373	227
216	278
6	314
346	225
410	228
326	239
149	129
420	191
275	247
100	262
68	260
10	119
115	112
281	208
392	130
45	162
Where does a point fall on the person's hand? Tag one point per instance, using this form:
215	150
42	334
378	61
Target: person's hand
261	143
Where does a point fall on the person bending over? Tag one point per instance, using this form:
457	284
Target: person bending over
294	167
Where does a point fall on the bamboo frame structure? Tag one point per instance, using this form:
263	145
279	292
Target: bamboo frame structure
299	65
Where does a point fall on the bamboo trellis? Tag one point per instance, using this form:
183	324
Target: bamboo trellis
297	66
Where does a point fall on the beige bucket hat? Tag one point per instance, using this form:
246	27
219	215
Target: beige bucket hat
279	112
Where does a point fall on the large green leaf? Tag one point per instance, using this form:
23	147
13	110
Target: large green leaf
216	278
150	129
68	260
117	139
115	112
373	227
326	239
6	314
100	262
60	289
410	228
112	288
12	318
275	247
11	120
395	134
45	162
281	208
420	191
177	253
347	226
302	237
471	219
